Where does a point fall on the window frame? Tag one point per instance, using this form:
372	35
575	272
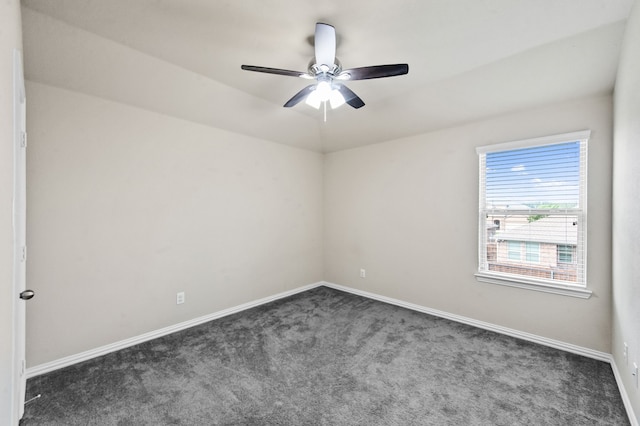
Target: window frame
482	274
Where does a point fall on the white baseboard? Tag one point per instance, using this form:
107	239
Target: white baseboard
633	419
602	356
103	350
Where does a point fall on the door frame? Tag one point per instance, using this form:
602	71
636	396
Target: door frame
19	378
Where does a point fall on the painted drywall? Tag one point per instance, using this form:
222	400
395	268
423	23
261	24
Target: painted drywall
626	205
127	207
10	39
406	212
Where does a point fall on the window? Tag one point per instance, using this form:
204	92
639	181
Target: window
536	191
514	250
565	253
532	253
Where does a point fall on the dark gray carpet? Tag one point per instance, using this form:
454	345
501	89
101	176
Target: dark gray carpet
325	357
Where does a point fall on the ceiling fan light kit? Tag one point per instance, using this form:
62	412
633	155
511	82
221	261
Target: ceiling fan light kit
324	91
329	75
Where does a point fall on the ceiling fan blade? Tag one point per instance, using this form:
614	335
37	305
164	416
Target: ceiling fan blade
277	71
350	97
376	71
299	96
325	44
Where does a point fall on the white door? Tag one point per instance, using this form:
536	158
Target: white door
19	233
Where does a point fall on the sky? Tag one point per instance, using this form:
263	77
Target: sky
543	175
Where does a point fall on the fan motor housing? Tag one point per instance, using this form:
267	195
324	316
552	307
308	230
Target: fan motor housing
317	70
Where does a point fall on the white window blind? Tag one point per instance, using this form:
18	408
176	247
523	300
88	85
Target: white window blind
532	215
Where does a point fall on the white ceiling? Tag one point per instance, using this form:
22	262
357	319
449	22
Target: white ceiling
468	59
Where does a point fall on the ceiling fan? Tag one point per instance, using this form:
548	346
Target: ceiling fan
329	75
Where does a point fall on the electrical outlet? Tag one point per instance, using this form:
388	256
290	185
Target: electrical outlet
180	298
626	354
634	373
363	273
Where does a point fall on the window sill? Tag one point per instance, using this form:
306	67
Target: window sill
535	285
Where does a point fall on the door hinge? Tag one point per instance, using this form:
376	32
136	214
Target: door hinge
23	140
24	253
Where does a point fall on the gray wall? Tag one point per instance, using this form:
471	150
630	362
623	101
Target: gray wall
10	39
406	211
128	207
626	205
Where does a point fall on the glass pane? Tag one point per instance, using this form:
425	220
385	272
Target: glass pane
565	254
514	250
542	246
532	253
542	177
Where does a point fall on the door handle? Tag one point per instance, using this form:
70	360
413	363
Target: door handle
27	294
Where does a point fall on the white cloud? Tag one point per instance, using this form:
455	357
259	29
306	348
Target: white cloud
554	184
518	168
